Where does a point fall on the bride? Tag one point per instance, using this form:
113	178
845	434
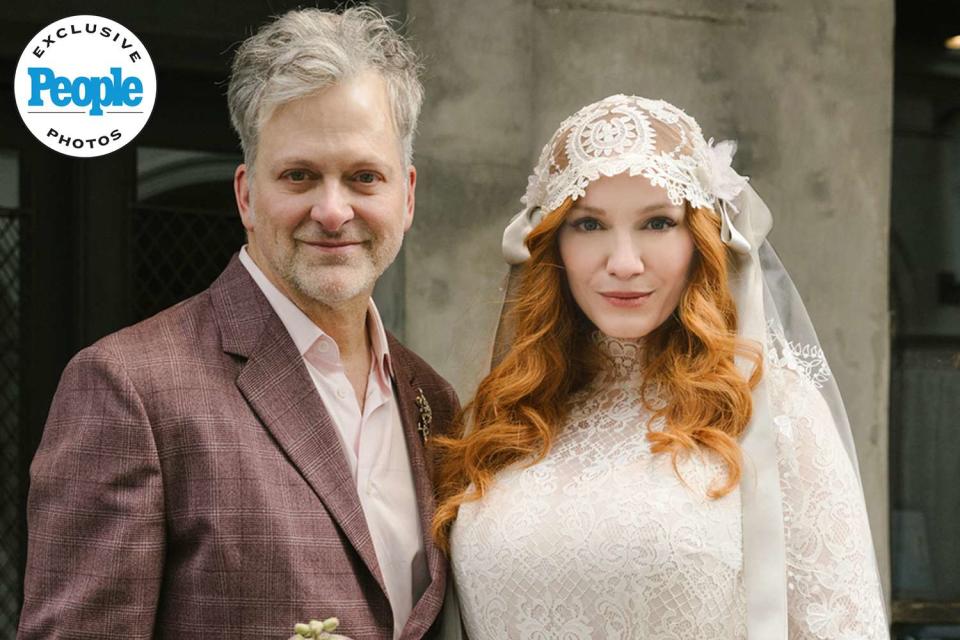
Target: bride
659	450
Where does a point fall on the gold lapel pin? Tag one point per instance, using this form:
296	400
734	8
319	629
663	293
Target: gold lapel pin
425	417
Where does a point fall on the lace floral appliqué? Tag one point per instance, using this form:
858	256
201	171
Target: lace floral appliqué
806	359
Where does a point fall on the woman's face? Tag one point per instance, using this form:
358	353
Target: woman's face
627	252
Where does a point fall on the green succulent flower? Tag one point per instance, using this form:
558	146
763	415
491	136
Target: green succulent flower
315	629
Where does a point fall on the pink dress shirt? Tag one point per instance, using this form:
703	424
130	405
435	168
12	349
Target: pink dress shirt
372	441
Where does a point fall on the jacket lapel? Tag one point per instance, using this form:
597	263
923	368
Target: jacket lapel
276	384
407	389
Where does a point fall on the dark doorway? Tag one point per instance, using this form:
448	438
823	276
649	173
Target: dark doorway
925	300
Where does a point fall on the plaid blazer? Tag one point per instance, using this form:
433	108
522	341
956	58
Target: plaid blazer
190	484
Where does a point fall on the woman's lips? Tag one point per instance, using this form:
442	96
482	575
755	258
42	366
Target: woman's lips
626	299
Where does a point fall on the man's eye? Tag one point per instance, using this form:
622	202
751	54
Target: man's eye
366	177
296	175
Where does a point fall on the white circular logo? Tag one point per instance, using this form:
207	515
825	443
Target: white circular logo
85	86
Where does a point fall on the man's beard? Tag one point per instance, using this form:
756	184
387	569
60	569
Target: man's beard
334	279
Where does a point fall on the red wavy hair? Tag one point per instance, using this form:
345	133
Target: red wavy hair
520	405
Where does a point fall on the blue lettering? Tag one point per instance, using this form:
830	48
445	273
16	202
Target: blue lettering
94	92
132	90
83	94
60	95
40	78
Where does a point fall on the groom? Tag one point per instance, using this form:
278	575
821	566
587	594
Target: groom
254	456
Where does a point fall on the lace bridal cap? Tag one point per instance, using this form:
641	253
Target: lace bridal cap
629	134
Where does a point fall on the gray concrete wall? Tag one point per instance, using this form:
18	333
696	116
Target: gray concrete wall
804	86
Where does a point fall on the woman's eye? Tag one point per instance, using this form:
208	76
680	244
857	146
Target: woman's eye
660	224
587	224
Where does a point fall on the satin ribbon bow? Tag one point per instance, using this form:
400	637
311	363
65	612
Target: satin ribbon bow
514	236
717	177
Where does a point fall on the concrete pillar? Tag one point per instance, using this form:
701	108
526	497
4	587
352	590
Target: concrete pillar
472	156
804	86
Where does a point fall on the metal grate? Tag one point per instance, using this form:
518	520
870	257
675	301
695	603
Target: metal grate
10	410
178	253
185	225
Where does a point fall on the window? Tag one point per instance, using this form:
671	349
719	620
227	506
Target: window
925	300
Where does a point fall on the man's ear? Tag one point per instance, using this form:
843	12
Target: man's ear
411	197
241	190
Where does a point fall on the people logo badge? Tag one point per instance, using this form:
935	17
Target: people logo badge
85	86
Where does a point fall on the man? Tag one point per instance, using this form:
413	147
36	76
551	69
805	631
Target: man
254	456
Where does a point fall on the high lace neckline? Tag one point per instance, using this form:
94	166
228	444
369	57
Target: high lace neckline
621	357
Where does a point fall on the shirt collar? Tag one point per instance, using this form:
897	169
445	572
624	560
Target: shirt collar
302	329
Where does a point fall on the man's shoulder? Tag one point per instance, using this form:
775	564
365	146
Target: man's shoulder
188	327
232	302
147	366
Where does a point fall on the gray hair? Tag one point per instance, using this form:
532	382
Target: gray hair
305	50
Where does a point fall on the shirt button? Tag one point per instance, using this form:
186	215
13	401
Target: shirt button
341	393
323	347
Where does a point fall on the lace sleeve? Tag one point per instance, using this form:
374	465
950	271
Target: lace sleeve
833	585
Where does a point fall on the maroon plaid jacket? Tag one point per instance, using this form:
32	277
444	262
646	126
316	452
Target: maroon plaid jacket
190	484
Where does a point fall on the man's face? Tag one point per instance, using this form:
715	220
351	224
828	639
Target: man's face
330	199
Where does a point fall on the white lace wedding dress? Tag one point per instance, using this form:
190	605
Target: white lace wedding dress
603	540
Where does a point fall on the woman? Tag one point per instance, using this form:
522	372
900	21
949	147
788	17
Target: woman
660	450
